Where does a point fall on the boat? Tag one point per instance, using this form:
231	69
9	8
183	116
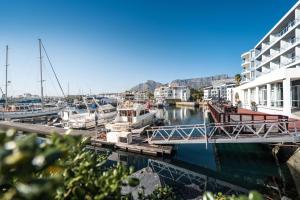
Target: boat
90	118
29	107
20	111
131	116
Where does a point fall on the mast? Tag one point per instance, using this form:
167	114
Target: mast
6	81
41	72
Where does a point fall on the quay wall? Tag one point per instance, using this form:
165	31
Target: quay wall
190	104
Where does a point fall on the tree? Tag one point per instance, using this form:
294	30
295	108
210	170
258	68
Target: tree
238	78
150	95
196	94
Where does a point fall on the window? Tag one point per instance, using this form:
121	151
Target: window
246	97
252	95
295	90
262	91
277	95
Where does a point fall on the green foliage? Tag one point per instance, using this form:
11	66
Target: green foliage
160	193
150	95
253	195
63	168
196	94
21	161
238	78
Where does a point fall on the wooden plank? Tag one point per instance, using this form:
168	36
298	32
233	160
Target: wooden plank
41	129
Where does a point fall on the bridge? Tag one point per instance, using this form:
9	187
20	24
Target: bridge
201	182
257	131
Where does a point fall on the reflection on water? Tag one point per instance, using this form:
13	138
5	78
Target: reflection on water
239	167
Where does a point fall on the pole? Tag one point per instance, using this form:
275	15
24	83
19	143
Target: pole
41	72
6	81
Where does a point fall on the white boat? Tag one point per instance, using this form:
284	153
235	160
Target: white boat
72	118
131	116
27	111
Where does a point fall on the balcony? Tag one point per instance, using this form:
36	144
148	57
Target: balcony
287	28
280	51
292	60
278	36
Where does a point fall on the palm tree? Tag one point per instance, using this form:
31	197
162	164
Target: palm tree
238	79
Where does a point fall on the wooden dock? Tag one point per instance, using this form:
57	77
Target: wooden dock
137	146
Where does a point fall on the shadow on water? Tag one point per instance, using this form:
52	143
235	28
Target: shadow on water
227	168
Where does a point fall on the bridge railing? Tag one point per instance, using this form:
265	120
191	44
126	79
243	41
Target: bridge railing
187	177
246	131
220	114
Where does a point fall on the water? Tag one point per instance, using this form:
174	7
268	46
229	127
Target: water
236	168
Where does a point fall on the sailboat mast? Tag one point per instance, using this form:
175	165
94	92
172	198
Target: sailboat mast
41	71
6	81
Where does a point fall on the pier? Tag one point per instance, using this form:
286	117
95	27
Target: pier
137	146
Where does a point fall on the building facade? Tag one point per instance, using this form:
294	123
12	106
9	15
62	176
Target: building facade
222	90
271	70
180	93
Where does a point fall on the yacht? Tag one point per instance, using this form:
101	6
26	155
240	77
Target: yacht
76	119
131	116
28	109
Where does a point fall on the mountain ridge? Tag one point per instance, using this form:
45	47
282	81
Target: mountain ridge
195	83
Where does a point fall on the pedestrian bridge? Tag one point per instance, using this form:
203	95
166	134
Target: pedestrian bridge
264	131
199	182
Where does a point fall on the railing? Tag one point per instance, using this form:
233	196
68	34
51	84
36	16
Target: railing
222	114
201	182
265	131
278	36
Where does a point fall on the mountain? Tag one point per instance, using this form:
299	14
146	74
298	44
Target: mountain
199	82
192	83
147	86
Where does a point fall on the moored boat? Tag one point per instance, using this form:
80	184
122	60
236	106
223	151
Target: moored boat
131	116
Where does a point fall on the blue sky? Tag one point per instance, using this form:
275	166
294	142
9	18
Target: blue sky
110	45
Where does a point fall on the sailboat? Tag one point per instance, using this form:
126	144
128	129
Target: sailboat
30	108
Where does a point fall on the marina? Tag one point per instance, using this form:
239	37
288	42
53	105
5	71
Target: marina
122	101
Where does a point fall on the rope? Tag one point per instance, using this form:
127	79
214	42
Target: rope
53	70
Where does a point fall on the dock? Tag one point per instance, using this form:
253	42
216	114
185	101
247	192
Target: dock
188	104
139	145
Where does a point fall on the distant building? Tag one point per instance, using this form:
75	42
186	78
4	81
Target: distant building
271	70
180	93
222	89
141	96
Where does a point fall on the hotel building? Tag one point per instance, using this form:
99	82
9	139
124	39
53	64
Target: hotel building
220	90
177	93
271	70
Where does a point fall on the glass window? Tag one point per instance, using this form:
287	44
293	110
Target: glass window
262	98
277	95
252	95
246	97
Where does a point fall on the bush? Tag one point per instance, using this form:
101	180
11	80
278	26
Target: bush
60	168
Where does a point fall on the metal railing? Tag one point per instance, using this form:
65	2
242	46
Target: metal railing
202	182
265	131
278	36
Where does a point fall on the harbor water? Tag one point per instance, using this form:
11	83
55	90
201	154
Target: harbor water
227	168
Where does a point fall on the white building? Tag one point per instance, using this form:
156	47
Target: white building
181	93
221	89
271	70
